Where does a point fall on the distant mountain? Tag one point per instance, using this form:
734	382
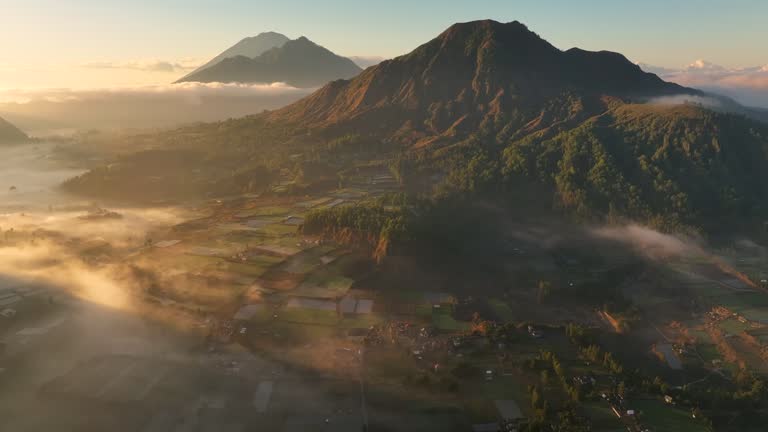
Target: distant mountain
10	134
300	63
249	47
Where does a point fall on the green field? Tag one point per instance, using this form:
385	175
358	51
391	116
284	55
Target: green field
602	417
278	230
253	267
660	417
708	352
264	211
740	302
733	326
327	281
306	261
309	316
501	309
442	320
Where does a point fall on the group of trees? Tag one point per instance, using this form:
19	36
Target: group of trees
669	168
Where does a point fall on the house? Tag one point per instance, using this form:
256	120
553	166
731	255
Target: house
535	333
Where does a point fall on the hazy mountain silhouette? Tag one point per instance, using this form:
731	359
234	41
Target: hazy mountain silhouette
10	134
300	63
250	47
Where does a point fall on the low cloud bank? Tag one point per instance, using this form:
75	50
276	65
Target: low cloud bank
149	65
747	85
46	111
651	243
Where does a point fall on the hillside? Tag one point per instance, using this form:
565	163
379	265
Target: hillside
249	47
10	134
682	163
300	63
487	108
475	75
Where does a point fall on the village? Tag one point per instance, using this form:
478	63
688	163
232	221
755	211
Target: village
298	331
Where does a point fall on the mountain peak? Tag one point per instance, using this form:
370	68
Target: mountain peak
299	62
252	46
473	74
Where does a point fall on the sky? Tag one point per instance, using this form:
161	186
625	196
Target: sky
98	43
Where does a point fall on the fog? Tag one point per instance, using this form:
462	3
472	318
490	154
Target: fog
651	243
709	102
29	178
46	112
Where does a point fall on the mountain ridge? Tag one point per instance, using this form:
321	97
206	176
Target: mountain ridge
299	62
252	46
480	69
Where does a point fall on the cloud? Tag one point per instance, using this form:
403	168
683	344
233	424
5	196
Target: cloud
650	242
42	111
747	85
148	65
687	99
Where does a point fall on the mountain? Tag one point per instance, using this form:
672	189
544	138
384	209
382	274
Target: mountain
300	63
249	47
10	134
488	108
475	74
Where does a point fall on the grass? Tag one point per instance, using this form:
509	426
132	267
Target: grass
701	336
445	322
264	211
328	280
501	309
278	230
602	416
747	301
708	352
361	321
664	418
322	286
250	269
760	315
733	326
306	261
309	316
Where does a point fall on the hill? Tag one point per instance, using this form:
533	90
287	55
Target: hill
487	109
474	75
300	63
249	47
10	134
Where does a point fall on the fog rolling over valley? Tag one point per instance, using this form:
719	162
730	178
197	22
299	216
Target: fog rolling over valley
492	230
29	179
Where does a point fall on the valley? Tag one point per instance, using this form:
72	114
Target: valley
487	233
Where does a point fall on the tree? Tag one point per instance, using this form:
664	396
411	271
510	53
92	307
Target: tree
543	290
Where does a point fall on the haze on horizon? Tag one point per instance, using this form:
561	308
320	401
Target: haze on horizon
84	43
123	56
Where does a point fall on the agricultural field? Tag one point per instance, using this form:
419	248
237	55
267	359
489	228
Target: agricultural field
664	418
